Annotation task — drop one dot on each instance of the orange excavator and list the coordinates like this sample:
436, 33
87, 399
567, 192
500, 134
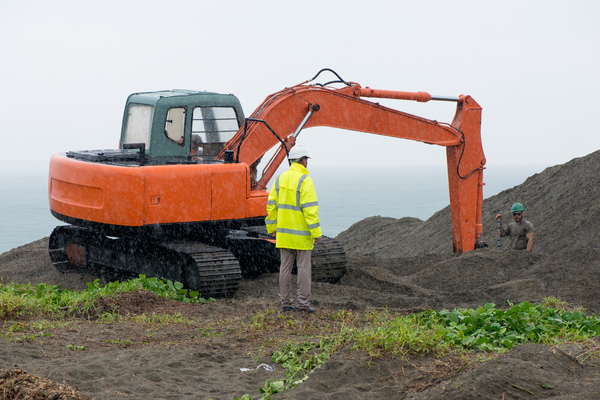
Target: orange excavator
182, 199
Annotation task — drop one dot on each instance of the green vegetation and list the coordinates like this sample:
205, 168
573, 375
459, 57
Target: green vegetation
400, 335
20, 303
75, 347
300, 344
491, 329
437, 333
42, 299
161, 287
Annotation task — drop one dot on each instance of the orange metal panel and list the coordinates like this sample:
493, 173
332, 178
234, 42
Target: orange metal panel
176, 193
229, 190
257, 203
153, 194
96, 192
76, 195
194, 192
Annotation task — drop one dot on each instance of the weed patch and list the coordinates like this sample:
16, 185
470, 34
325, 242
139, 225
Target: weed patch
490, 329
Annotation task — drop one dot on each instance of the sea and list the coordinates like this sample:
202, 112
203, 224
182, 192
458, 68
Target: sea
347, 194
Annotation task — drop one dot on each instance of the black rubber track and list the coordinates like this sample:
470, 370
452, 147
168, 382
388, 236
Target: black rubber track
210, 270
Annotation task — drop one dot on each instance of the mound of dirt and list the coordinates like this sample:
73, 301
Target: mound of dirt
407, 265
563, 204
31, 264
527, 371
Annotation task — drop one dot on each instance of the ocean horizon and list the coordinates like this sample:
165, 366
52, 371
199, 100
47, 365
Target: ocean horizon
347, 194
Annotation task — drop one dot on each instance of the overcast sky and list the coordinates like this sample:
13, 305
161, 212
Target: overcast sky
534, 66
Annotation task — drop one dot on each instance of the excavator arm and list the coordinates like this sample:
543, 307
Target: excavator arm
282, 115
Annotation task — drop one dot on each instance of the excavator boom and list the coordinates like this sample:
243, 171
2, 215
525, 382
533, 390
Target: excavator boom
281, 116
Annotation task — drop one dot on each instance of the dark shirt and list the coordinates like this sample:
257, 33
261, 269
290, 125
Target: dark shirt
518, 234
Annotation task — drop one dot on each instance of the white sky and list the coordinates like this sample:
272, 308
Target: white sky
534, 66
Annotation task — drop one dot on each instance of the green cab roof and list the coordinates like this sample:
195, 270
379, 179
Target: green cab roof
183, 97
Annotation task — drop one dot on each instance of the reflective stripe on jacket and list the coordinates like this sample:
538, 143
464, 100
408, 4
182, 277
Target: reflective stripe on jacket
293, 210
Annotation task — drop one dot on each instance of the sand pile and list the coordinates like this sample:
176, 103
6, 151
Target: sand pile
563, 204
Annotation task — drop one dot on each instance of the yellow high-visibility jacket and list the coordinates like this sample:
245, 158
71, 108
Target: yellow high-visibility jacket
293, 210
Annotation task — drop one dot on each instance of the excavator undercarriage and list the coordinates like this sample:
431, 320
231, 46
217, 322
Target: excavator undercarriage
213, 269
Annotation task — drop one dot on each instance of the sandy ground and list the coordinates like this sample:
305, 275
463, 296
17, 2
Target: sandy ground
402, 264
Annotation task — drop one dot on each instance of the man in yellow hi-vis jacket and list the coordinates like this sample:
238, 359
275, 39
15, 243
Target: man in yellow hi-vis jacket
293, 218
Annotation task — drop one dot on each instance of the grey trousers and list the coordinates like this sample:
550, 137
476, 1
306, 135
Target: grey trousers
302, 258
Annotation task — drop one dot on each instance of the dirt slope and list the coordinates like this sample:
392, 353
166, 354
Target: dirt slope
561, 202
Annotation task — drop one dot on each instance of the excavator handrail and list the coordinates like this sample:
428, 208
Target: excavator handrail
246, 129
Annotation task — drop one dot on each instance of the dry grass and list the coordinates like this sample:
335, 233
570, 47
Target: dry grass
20, 385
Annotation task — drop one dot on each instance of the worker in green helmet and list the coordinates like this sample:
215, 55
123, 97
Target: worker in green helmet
520, 231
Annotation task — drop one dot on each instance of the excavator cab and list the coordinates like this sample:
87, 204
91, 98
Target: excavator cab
170, 126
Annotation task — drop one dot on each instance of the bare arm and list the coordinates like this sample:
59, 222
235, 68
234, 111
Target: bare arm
529, 241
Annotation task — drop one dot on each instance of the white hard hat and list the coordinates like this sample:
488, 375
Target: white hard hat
297, 153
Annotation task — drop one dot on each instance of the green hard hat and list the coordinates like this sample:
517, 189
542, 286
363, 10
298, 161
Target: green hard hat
517, 207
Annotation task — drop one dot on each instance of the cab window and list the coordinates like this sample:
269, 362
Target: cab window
175, 125
139, 124
213, 126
